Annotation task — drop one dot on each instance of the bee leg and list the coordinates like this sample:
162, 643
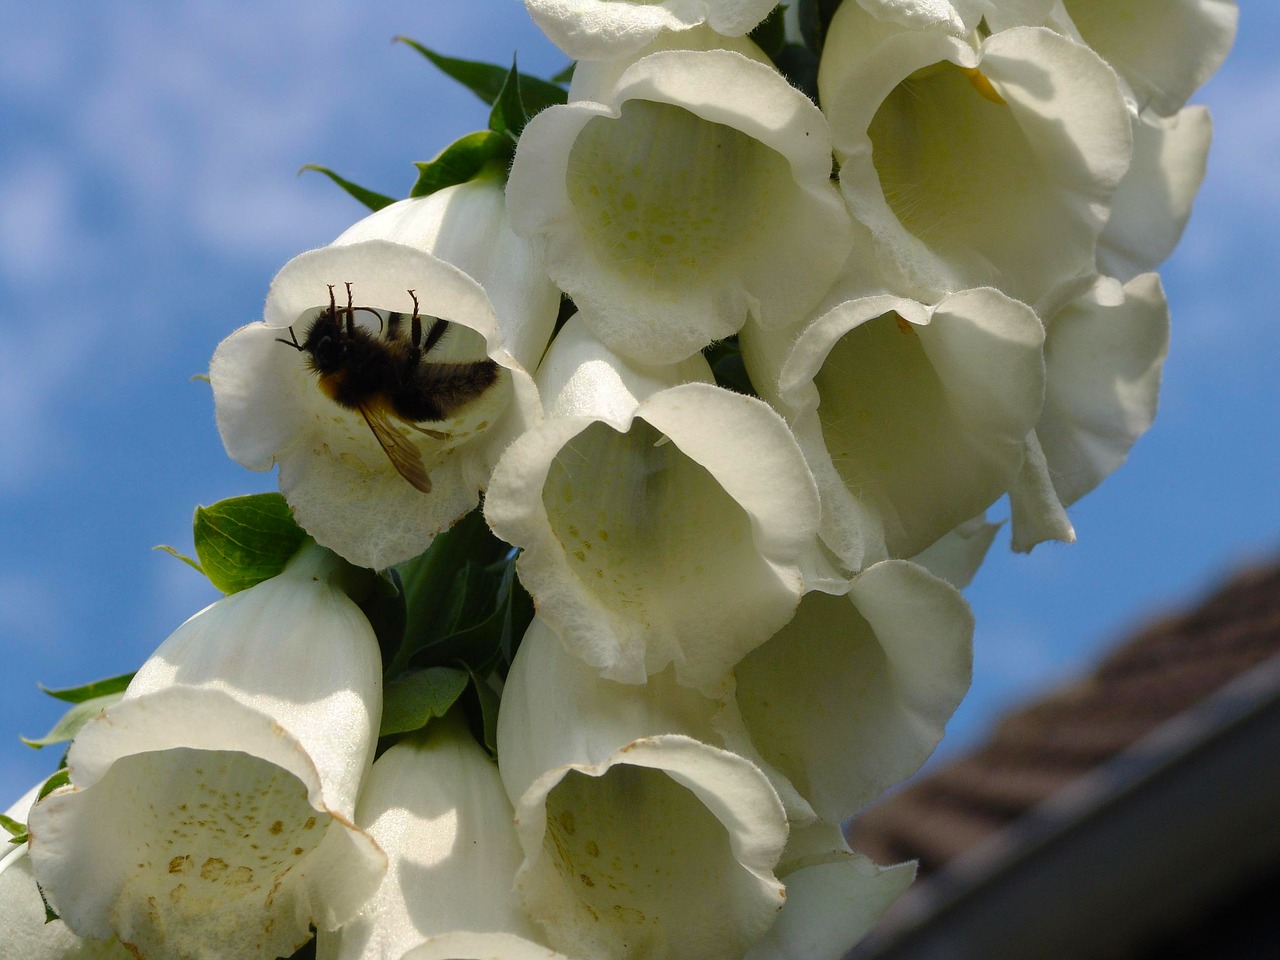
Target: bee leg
434, 333
292, 341
351, 314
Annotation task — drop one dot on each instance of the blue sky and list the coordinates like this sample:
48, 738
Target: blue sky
147, 196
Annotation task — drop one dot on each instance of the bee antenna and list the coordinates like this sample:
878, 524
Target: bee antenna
293, 339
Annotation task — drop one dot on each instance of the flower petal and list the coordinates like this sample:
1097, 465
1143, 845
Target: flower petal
971, 168
660, 846
853, 694
697, 192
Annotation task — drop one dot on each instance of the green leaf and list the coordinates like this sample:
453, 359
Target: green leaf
486, 80
165, 548
413, 700
245, 540
815, 17
17, 831
90, 691
430, 582
725, 359
489, 702
75, 718
509, 115
59, 779
462, 161
799, 65
771, 33
371, 199
565, 76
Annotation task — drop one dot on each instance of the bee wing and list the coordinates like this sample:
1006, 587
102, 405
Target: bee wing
402, 454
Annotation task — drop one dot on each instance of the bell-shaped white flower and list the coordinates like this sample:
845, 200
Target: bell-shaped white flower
659, 521
639, 839
1164, 51
24, 932
698, 192
853, 694
974, 167
210, 812
833, 897
958, 17
381, 444
912, 417
467, 225
1104, 351
1153, 202
436, 805
957, 556
606, 29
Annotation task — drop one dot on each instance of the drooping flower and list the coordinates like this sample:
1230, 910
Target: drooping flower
660, 521
1104, 352
210, 812
25, 932
604, 29
833, 897
992, 166
640, 840
381, 444
467, 226
1152, 204
958, 17
1164, 51
853, 694
699, 191
912, 417
436, 805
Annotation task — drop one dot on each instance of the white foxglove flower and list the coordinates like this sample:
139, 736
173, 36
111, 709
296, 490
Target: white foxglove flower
597, 79
640, 840
376, 455
24, 934
853, 694
1104, 352
436, 805
974, 167
958, 17
1153, 202
912, 417
467, 225
957, 556
659, 521
1164, 51
699, 191
605, 29
210, 812
833, 897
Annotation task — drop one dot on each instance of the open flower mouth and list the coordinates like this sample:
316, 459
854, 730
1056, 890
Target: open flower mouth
668, 217
645, 528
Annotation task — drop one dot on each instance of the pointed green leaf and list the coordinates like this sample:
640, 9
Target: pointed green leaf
486, 80
771, 33
88, 691
245, 540
59, 779
372, 200
489, 702
509, 115
75, 718
413, 700
165, 548
17, 831
463, 160
565, 76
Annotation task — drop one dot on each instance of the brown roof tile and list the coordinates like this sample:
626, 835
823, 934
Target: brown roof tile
1171, 664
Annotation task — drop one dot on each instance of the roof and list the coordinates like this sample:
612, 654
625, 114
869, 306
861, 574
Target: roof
1160, 732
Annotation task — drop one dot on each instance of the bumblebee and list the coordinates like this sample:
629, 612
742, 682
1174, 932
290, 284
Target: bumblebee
388, 376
